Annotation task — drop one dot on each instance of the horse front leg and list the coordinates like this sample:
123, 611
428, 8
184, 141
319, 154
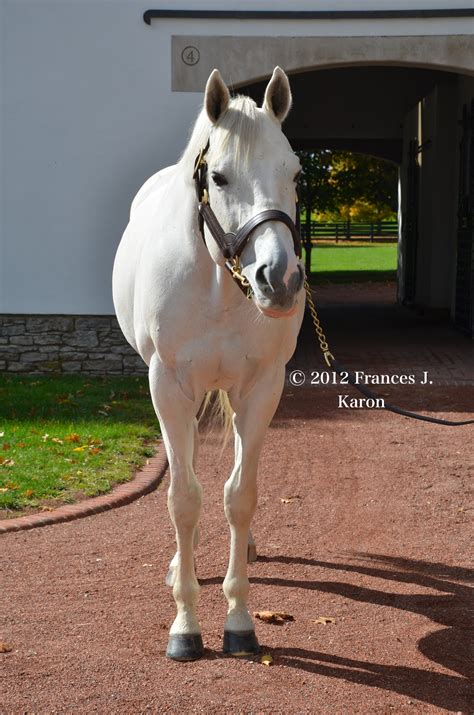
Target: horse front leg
171, 575
252, 417
177, 420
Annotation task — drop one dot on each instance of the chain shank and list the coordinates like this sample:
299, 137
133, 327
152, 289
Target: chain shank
323, 344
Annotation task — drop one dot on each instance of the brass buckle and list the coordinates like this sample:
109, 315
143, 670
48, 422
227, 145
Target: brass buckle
234, 267
199, 161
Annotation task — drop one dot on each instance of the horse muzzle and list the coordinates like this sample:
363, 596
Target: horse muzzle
274, 297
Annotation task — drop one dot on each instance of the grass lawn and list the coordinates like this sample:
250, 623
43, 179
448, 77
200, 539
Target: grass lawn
62, 438
345, 263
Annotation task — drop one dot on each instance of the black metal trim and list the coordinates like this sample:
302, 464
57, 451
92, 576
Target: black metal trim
150, 15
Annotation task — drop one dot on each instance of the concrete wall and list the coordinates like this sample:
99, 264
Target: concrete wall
87, 118
251, 58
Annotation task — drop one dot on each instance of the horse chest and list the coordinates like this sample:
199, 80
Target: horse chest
219, 356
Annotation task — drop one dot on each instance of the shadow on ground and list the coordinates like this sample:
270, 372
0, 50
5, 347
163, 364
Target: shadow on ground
449, 647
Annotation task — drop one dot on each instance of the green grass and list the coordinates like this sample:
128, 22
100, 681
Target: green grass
66, 437
346, 264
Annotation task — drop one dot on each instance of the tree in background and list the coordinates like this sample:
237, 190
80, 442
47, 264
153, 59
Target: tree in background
365, 188
315, 191
344, 186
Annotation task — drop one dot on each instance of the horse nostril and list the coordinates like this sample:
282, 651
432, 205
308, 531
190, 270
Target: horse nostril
261, 278
301, 277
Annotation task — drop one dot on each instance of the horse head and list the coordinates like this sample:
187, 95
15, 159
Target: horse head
251, 175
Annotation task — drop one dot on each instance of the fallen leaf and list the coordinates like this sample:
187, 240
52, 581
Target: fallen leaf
96, 442
2, 434
45, 437
324, 620
63, 401
28, 493
5, 647
80, 449
21, 444
101, 412
57, 440
6, 462
47, 508
6, 446
287, 500
273, 616
266, 659
3, 490
94, 450
73, 437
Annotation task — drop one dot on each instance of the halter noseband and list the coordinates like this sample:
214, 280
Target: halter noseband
232, 244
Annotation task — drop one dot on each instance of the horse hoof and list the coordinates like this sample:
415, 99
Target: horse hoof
241, 643
251, 553
185, 647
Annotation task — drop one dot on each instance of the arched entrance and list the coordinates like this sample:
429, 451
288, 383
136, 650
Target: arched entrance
403, 98
410, 115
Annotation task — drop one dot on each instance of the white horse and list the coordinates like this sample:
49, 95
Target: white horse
180, 308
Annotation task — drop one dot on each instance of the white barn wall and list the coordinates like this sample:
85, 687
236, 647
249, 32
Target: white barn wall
88, 115
87, 121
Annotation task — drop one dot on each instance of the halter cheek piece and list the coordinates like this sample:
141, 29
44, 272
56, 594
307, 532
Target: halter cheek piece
231, 244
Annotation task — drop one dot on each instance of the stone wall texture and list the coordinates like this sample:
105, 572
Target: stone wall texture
86, 344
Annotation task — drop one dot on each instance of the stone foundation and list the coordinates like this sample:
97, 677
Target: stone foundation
85, 344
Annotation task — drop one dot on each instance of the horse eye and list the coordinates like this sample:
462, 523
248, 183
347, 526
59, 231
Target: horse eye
218, 179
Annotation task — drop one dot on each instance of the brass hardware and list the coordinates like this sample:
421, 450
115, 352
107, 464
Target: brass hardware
328, 356
235, 268
200, 161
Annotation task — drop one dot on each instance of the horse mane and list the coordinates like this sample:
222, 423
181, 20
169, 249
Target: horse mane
239, 125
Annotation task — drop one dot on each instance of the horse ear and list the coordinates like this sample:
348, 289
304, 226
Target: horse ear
216, 96
277, 100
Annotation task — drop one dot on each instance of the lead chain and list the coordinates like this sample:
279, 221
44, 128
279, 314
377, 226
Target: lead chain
328, 356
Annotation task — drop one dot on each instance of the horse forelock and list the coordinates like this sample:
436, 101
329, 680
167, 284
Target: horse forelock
237, 130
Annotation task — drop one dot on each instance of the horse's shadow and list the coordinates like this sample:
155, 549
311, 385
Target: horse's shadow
451, 646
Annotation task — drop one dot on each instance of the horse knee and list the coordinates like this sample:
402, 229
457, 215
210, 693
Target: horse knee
184, 502
240, 502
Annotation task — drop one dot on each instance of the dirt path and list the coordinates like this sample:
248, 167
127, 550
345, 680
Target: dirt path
377, 539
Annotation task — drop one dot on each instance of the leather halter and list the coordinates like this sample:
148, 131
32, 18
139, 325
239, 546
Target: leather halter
232, 244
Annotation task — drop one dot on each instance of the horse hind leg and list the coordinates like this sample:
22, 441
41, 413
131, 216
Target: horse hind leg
252, 555
176, 414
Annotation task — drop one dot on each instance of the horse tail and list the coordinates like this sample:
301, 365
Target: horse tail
216, 405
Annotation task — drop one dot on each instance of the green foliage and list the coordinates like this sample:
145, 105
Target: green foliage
339, 185
66, 437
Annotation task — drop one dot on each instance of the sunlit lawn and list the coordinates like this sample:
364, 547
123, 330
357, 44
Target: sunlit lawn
346, 263
65, 437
